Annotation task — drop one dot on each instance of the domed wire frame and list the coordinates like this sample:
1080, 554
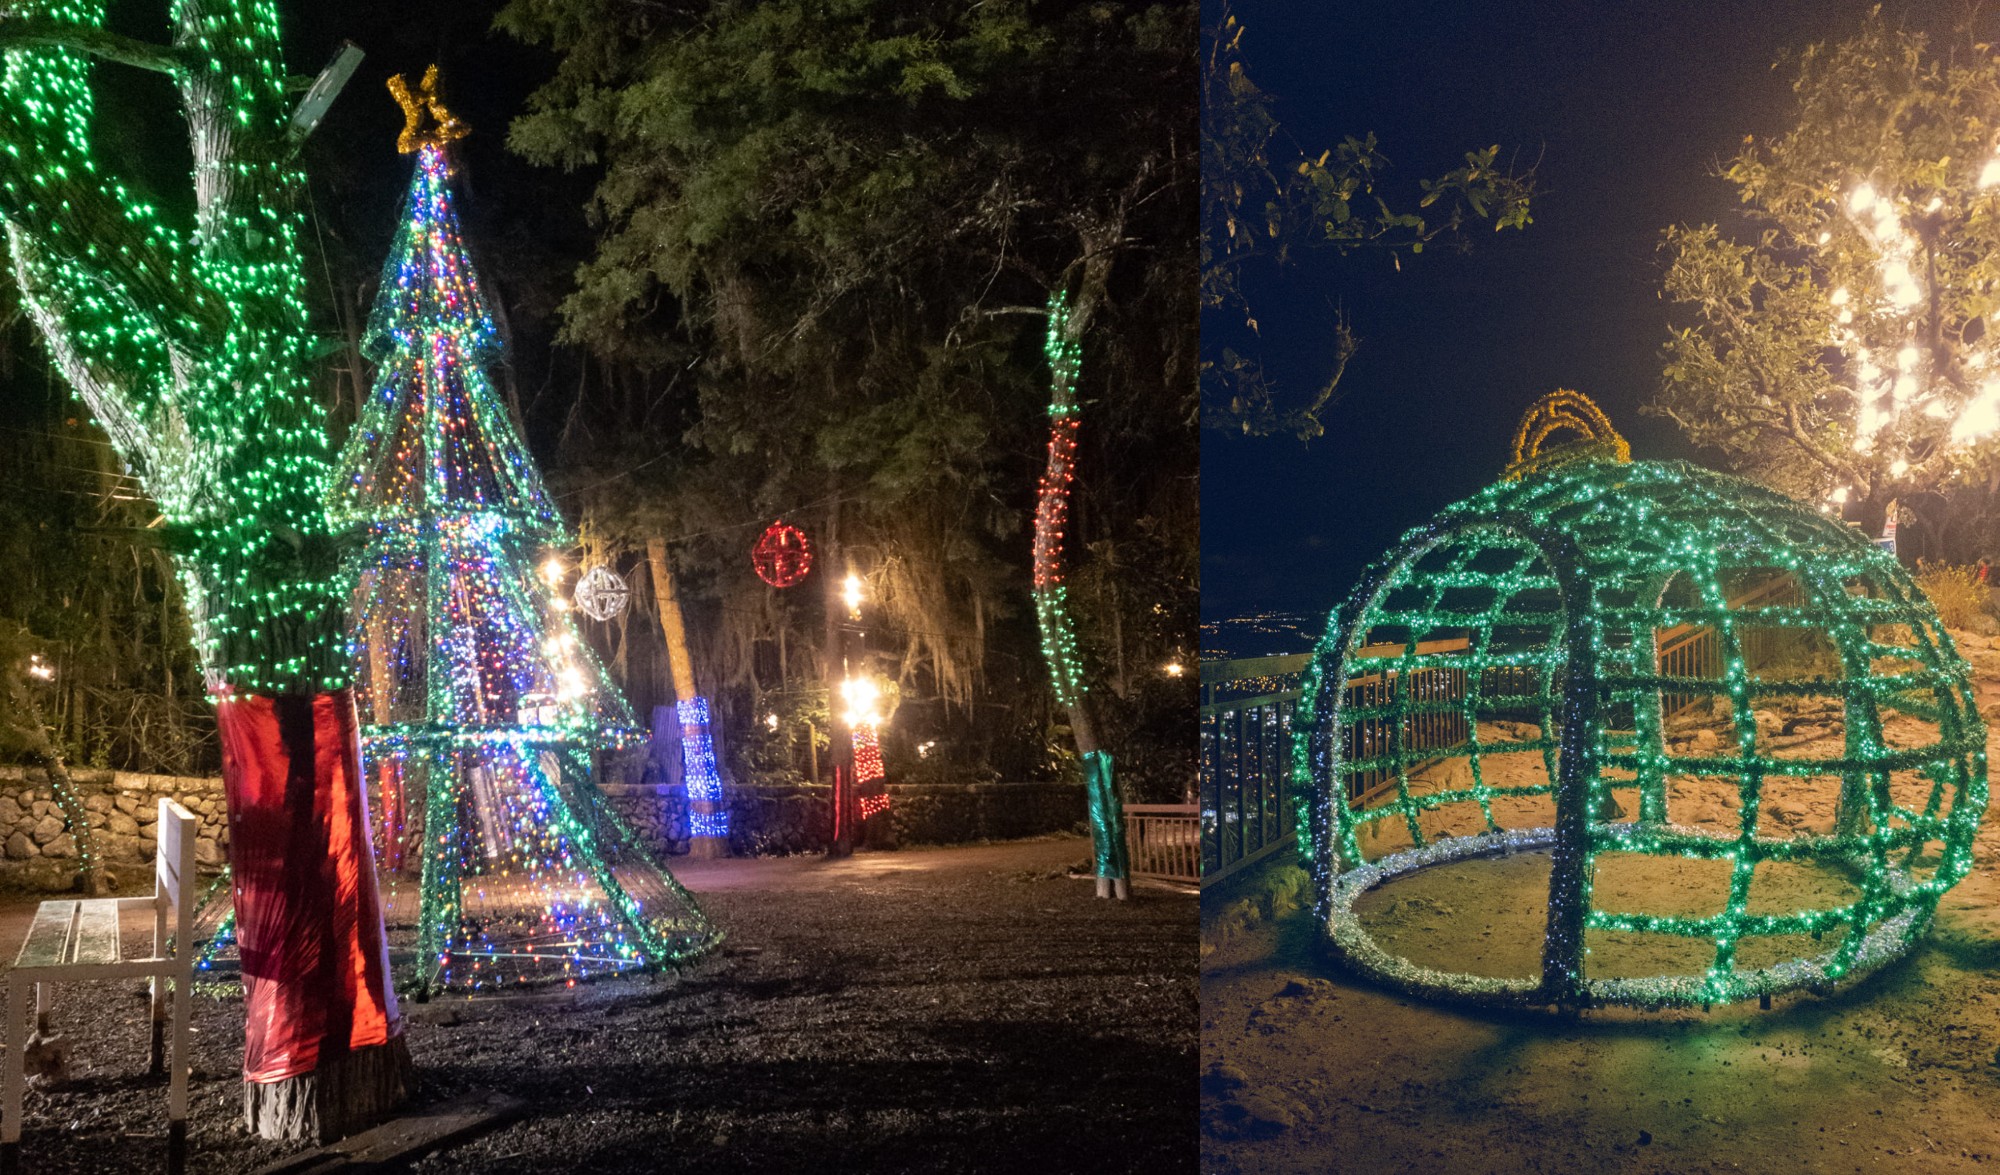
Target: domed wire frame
1550, 596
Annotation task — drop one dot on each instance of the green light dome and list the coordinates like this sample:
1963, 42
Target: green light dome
1621, 662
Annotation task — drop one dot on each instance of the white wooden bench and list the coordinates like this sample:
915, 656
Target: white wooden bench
79, 940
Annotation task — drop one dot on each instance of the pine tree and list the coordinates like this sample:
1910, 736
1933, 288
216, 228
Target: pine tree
482, 711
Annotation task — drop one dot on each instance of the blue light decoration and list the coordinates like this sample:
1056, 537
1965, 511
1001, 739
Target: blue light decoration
482, 710
704, 781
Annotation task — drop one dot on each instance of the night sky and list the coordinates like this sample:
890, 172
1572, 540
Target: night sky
1630, 107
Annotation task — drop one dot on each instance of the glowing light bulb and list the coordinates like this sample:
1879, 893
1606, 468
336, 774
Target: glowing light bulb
770, 721
850, 593
1990, 174
860, 694
1840, 296
1173, 669
553, 570
1862, 199
1898, 467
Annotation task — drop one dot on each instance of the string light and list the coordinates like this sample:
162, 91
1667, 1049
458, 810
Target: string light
782, 556
1051, 594
1559, 582
481, 707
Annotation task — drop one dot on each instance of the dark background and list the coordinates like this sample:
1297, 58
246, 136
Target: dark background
1629, 109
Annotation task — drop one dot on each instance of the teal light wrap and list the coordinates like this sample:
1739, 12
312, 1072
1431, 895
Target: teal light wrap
1547, 600
1107, 817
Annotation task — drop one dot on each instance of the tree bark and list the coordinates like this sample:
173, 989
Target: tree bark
686, 693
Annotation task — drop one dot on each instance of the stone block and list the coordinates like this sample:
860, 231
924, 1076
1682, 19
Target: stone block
60, 847
47, 829
122, 825
20, 848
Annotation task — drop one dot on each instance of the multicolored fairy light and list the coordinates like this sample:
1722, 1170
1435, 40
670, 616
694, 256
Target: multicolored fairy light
481, 705
1546, 595
1059, 646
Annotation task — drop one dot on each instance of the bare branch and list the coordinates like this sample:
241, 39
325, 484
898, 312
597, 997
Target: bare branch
32, 33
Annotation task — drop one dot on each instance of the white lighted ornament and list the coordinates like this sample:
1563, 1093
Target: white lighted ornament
601, 593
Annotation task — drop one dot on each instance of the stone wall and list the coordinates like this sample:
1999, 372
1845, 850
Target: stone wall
124, 806
778, 820
37, 853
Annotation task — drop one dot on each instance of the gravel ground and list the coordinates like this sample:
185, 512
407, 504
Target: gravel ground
954, 1009
1308, 1068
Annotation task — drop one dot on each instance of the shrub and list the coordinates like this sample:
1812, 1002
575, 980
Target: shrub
1955, 592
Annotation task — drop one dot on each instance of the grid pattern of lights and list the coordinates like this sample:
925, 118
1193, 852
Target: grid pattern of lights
1560, 579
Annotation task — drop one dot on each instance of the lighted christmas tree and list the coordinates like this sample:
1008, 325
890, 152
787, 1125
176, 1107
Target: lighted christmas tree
481, 710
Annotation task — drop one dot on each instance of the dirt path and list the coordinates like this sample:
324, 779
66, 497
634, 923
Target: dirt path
943, 1009
1307, 1069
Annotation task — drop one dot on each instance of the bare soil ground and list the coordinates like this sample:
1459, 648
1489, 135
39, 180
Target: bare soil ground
955, 1009
1308, 1068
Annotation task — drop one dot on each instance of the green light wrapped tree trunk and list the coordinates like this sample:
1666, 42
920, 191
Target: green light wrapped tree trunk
192, 350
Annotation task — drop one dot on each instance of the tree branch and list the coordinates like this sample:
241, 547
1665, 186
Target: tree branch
35, 33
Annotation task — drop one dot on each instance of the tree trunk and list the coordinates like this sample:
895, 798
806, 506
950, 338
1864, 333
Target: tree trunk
1059, 642
842, 806
324, 1054
706, 813
89, 872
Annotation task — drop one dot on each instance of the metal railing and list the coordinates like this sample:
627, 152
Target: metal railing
1246, 804
1245, 807
1164, 841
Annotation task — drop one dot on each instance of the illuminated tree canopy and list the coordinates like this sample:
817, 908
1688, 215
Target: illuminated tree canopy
1840, 348
190, 347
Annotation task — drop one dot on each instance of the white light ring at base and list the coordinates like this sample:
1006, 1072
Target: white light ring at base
1883, 943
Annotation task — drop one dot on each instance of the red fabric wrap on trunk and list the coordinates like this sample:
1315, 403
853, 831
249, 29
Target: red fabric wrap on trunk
308, 920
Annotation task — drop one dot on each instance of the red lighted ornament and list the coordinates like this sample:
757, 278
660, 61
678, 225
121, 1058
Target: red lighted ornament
782, 556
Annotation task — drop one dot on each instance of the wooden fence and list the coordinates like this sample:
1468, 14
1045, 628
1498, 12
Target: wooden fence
1695, 650
1164, 841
